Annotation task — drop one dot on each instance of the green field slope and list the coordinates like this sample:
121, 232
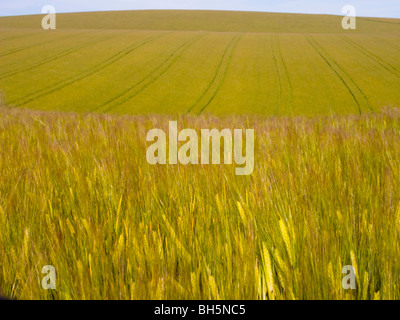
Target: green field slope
194, 62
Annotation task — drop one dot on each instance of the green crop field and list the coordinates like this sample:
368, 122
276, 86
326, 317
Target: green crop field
180, 62
77, 193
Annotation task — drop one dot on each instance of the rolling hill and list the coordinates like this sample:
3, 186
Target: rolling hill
193, 62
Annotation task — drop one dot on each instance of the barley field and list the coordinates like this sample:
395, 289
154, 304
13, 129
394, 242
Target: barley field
77, 193
188, 62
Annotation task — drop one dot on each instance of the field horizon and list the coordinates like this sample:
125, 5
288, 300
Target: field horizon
199, 20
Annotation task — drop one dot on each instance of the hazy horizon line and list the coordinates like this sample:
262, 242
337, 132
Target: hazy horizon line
218, 10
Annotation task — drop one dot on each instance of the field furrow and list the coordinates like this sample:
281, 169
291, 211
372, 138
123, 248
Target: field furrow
55, 57
221, 82
214, 86
149, 79
358, 96
285, 85
22, 48
279, 79
105, 64
25, 34
386, 65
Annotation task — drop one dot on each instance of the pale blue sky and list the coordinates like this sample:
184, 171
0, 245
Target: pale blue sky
370, 8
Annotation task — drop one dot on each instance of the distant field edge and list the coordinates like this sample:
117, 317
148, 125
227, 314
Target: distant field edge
205, 20
176, 116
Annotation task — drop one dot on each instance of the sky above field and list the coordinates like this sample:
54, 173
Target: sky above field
370, 8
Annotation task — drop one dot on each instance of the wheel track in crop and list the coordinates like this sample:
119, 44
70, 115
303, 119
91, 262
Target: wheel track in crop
378, 21
39, 44
222, 67
278, 76
224, 74
53, 58
20, 36
283, 76
386, 65
150, 78
97, 68
344, 77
